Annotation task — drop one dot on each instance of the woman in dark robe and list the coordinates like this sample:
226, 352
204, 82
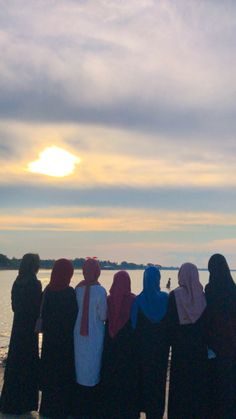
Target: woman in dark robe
118, 368
221, 310
151, 345
186, 319
57, 361
21, 382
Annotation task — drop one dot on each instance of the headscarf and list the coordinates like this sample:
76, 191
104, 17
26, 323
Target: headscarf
189, 296
152, 301
119, 302
28, 269
221, 289
61, 275
91, 272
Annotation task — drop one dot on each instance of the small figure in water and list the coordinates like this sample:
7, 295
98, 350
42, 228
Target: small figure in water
168, 285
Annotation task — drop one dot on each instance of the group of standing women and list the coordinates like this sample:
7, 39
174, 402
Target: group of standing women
107, 357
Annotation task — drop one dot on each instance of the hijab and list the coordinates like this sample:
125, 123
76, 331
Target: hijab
221, 289
61, 275
91, 272
189, 296
28, 269
151, 301
119, 302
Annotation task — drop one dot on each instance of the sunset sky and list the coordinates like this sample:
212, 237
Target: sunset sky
142, 93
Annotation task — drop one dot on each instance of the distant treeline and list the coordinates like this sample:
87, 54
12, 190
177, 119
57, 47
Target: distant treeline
14, 263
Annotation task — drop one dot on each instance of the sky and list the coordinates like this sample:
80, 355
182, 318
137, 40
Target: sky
142, 93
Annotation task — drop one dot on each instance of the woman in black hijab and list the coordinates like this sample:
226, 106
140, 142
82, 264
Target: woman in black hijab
20, 389
221, 313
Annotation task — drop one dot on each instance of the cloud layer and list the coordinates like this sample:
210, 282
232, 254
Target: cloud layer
143, 92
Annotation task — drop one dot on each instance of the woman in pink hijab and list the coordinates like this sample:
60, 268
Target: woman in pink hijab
88, 337
186, 319
118, 367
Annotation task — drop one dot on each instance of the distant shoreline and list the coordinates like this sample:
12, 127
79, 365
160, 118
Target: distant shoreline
14, 263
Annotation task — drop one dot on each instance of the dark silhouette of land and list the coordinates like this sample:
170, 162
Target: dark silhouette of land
14, 263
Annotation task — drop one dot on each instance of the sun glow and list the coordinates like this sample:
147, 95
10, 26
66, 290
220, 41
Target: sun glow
54, 161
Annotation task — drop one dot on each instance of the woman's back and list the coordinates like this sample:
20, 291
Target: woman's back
97, 310
189, 340
186, 322
57, 360
21, 380
221, 314
118, 367
151, 344
88, 349
59, 315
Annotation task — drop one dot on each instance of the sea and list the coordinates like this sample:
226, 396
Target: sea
7, 278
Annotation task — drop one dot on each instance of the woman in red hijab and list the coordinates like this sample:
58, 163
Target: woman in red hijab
88, 338
59, 313
118, 370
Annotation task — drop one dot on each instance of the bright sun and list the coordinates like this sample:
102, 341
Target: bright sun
54, 161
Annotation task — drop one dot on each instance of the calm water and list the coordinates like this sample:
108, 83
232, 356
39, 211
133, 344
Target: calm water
7, 278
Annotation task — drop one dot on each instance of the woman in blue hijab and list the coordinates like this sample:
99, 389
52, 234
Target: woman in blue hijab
151, 344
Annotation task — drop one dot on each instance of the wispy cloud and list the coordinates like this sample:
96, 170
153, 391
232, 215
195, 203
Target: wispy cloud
111, 219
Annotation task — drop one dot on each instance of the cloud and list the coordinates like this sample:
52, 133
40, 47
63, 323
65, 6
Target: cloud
116, 158
179, 199
108, 68
142, 92
111, 219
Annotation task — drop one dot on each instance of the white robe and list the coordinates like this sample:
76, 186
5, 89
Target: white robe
88, 349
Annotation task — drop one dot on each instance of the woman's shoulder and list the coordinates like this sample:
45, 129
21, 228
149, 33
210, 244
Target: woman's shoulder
99, 290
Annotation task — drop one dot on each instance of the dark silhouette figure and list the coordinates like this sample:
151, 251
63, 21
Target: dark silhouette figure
186, 319
168, 284
118, 366
21, 380
57, 362
221, 310
151, 345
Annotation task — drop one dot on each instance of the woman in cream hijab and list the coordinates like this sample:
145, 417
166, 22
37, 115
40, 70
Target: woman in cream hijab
186, 321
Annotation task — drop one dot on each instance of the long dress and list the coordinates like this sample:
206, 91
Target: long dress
21, 381
221, 314
151, 357
57, 361
222, 367
88, 349
119, 375
188, 371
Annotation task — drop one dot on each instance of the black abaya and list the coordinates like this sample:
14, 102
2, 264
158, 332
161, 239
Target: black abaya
21, 381
188, 371
118, 375
57, 361
222, 369
151, 357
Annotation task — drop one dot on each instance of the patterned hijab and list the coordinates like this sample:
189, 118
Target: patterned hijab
91, 272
